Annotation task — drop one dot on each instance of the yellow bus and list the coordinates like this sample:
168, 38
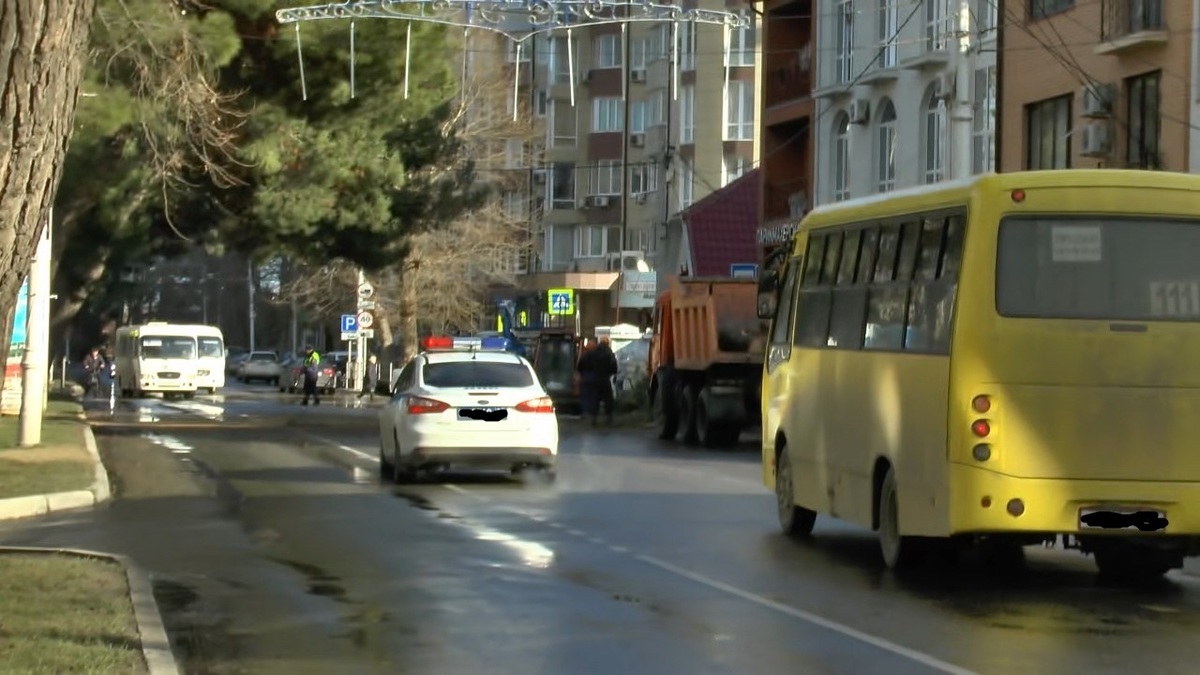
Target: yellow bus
1011, 358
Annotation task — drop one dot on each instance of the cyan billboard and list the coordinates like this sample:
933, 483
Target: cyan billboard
20, 317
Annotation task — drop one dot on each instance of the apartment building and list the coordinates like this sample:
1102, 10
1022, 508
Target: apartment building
1115, 85
885, 80
635, 129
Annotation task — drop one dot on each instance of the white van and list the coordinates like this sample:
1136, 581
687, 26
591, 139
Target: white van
159, 357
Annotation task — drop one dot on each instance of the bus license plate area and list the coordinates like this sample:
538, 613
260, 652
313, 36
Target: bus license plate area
1143, 519
483, 414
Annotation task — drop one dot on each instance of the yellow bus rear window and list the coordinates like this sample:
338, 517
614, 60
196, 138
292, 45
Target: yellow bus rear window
1101, 268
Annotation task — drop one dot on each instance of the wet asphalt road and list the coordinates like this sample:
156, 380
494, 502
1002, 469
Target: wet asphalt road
276, 549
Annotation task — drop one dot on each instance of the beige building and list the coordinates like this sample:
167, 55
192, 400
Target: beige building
632, 132
1099, 83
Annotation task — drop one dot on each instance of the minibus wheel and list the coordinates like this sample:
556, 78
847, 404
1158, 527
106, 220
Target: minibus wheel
796, 521
1131, 564
898, 552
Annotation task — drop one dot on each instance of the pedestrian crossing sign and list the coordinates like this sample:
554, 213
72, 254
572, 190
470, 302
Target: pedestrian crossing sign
561, 301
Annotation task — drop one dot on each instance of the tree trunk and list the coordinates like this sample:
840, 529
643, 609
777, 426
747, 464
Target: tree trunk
42, 49
408, 317
385, 330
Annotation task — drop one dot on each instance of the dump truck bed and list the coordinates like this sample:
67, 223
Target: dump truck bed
714, 321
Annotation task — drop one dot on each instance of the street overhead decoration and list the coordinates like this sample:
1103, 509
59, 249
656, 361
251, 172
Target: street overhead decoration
519, 20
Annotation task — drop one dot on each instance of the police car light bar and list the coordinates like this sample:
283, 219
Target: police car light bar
449, 343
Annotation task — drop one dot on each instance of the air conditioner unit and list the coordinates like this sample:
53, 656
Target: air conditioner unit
596, 201
637, 140
859, 111
1097, 100
637, 75
539, 176
630, 260
1095, 140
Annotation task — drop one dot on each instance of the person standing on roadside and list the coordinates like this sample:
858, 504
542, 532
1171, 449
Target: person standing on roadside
312, 365
370, 378
596, 369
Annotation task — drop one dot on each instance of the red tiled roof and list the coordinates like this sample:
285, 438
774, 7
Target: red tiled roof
721, 227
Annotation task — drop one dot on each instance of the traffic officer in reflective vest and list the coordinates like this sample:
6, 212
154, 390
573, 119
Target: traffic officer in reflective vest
312, 365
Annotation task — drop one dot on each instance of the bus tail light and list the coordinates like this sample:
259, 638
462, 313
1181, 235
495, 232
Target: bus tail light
981, 428
981, 404
1018, 195
982, 452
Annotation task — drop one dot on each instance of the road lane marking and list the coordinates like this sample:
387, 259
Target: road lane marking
343, 447
886, 645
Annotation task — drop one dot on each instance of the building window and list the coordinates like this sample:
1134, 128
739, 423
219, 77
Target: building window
514, 153
518, 50
739, 111
1145, 120
606, 51
844, 41
742, 41
935, 134
987, 18
841, 157
687, 115
606, 114
983, 156
541, 102
637, 117
564, 121
1043, 8
643, 178
640, 239
686, 175
656, 104
561, 185
687, 45
561, 63
1047, 125
596, 241
606, 177
516, 205
938, 23
640, 53
886, 150
887, 33
733, 168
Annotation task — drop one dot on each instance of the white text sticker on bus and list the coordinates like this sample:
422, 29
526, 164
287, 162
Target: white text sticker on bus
151, 343
1075, 243
1175, 299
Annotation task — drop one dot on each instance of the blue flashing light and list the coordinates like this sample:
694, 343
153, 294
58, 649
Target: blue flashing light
497, 343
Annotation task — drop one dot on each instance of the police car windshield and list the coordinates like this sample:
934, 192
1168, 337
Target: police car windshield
477, 375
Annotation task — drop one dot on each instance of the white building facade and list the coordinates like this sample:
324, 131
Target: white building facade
885, 73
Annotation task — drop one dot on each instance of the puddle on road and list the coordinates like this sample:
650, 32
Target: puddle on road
320, 583
199, 635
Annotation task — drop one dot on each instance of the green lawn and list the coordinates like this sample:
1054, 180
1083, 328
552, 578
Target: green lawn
64, 614
60, 463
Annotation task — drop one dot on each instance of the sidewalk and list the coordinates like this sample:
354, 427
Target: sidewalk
70, 610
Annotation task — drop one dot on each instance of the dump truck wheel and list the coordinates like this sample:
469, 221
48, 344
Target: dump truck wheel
714, 432
668, 408
689, 400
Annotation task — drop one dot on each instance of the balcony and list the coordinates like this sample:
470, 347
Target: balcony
1128, 24
788, 77
783, 207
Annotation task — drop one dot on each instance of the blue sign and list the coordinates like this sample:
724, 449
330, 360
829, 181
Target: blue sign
20, 316
349, 323
743, 271
561, 301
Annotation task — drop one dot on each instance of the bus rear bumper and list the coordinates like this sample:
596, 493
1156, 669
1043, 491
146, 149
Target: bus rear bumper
985, 502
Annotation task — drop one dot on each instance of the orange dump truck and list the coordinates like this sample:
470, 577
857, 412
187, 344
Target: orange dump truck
706, 359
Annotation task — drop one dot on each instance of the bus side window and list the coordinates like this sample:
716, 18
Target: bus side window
850, 255
833, 255
780, 331
931, 302
889, 245
816, 255
866, 259
910, 244
932, 234
952, 252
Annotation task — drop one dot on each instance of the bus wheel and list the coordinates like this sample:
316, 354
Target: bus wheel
1129, 564
898, 552
796, 521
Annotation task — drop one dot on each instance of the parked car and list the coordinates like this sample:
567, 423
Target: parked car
262, 366
328, 373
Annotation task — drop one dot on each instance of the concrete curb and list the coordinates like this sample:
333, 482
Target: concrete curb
100, 491
156, 644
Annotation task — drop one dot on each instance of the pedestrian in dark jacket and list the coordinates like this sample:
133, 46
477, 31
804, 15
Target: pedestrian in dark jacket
596, 368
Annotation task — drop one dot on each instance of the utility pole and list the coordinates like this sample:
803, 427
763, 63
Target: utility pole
626, 67
35, 363
250, 298
360, 363
959, 105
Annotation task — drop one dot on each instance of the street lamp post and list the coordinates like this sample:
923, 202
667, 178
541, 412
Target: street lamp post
35, 363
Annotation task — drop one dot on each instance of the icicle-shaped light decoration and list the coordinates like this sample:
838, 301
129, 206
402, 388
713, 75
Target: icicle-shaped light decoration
351, 59
674, 56
728, 34
407, 56
571, 66
517, 80
300, 58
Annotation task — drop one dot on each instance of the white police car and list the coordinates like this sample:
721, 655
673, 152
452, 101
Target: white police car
467, 403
